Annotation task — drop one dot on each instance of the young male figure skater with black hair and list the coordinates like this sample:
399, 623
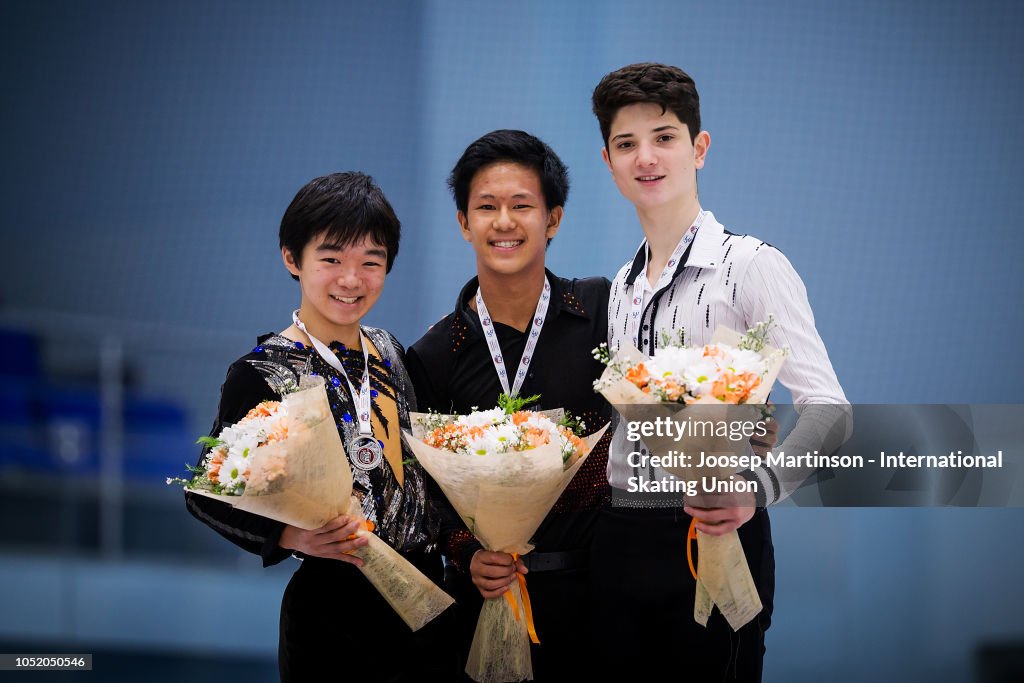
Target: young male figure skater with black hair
690, 275
339, 238
510, 189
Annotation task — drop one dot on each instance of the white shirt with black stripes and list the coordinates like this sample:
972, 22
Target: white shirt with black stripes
735, 281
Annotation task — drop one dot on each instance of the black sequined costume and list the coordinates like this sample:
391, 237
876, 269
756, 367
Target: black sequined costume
329, 603
452, 371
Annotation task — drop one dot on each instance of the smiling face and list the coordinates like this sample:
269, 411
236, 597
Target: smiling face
652, 159
339, 285
507, 221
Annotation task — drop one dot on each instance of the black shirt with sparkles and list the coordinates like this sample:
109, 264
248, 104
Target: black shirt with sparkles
452, 372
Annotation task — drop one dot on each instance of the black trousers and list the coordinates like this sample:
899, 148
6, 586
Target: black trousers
336, 626
643, 602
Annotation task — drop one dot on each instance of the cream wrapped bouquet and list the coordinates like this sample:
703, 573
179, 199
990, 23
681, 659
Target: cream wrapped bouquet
285, 461
727, 381
502, 470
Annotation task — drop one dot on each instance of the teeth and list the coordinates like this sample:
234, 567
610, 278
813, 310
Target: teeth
649, 177
345, 299
508, 243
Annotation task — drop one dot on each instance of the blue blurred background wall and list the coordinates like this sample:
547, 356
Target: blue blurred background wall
151, 148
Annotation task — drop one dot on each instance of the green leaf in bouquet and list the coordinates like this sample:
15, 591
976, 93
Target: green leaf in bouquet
209, 441
513, 404
573, 424
200, 480
676, 339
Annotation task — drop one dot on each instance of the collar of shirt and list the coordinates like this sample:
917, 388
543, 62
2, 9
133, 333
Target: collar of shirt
559, 303
703, 251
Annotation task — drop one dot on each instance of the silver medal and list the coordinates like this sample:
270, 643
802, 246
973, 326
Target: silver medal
366, 453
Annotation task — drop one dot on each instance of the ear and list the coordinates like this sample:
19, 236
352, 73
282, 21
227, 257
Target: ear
464, 224
604, 156
289, 261
700, 148
554, 221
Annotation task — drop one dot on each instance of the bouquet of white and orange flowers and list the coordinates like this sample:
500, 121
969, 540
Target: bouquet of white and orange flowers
284, 460
227, 468
502, 469
717, 387
498, 431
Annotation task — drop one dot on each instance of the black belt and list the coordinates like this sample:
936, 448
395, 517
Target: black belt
550, 562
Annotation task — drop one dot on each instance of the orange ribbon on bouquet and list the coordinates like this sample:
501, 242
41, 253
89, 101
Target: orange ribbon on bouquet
526, 604
691, 537
364, 525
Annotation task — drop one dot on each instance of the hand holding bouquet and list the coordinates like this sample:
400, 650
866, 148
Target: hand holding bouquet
502, 469
285, 461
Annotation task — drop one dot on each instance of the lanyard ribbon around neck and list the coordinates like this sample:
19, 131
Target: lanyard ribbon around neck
491, 336
361, 398
636, 309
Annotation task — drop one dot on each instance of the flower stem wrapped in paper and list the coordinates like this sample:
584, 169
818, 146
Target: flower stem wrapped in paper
695, 409
284, 460
502, 470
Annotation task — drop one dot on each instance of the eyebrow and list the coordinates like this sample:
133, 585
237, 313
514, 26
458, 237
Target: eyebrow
655, 130
517, 195
372, 251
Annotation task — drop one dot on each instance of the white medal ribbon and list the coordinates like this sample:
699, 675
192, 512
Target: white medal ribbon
636, 310
531, 341
360, 398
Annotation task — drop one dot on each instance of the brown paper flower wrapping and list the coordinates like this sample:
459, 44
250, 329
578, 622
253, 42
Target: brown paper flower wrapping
315, 487
724, 578
502, 498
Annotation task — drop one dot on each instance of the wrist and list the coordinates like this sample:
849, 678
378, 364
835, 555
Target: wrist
467, 553
760, 495
286, 540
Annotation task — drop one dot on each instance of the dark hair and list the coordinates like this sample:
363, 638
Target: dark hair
668, 86
345, 208
516, 147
